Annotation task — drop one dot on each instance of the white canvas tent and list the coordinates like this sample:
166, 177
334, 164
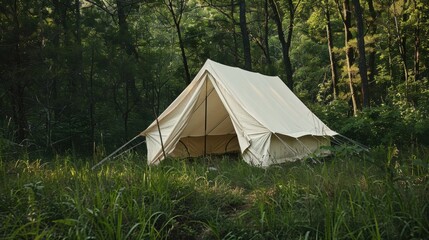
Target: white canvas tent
227, 109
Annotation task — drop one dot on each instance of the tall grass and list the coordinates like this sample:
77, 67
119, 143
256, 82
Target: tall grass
383, 195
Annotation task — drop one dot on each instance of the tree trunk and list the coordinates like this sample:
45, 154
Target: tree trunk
402, 43
288, 64
56, 43
77, 71
127, 74
17, 93
126, 113
332, 59
266, 33
245, 36
127, 45
362, 58
92, 102
124, 33
417, 44
17, 89
346, 18
177, 17
390, 44
372, 68
234, 34
285, 42
184, 58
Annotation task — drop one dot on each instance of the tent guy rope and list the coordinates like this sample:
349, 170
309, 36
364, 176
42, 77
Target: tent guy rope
116, 151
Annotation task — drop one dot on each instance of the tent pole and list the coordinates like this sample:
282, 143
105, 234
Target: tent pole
205, 124
159, 131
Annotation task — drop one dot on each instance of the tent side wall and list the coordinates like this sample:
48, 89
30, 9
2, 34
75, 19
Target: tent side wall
288, 149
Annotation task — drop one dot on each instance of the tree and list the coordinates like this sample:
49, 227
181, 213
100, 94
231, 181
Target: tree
332, 58
15, 62
372, 30
245, 36
400, 15
176, 11
266, 33
345, 14
362, 58
285, 42
126, 40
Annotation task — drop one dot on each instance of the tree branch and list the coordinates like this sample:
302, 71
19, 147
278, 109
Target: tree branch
103, 7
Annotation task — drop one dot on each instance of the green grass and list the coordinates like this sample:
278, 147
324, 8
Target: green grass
381, 195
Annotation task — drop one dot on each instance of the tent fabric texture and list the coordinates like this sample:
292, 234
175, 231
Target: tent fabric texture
227, 109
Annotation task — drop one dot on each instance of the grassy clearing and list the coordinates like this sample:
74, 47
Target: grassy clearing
381, 195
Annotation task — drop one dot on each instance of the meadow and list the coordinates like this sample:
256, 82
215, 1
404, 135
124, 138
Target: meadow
383, 194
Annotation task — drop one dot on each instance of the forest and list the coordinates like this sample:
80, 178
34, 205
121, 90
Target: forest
78, 78
80, 75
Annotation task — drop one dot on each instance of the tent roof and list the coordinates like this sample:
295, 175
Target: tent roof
265, 98
270, 102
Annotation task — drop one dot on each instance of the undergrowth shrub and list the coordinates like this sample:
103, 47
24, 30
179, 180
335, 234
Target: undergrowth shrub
401, 123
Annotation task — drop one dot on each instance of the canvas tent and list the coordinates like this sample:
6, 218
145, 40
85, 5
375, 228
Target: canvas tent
227, 109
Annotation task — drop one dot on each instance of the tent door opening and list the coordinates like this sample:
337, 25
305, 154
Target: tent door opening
209, 130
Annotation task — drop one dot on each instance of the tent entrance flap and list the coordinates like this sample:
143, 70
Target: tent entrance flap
210, 129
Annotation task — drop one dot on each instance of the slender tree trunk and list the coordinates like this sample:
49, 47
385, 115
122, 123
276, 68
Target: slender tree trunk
184, 58
417, 54
266, 34
177, 19
234, 34
288, 64
417, 44
402, 42
128, 46
332, 58
124, 33
245, 36
17, 90
346, 18
78, 68
92, 102
56, 43
64, 7
390, 43
362, 58
127, 74
372, 68
78, 20
285, 43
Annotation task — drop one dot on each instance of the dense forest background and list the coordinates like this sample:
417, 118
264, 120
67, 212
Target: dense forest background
83, 76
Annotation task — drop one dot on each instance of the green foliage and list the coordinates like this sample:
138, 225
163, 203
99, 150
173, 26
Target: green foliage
74, 73
307, 54
346, 197
401, 124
